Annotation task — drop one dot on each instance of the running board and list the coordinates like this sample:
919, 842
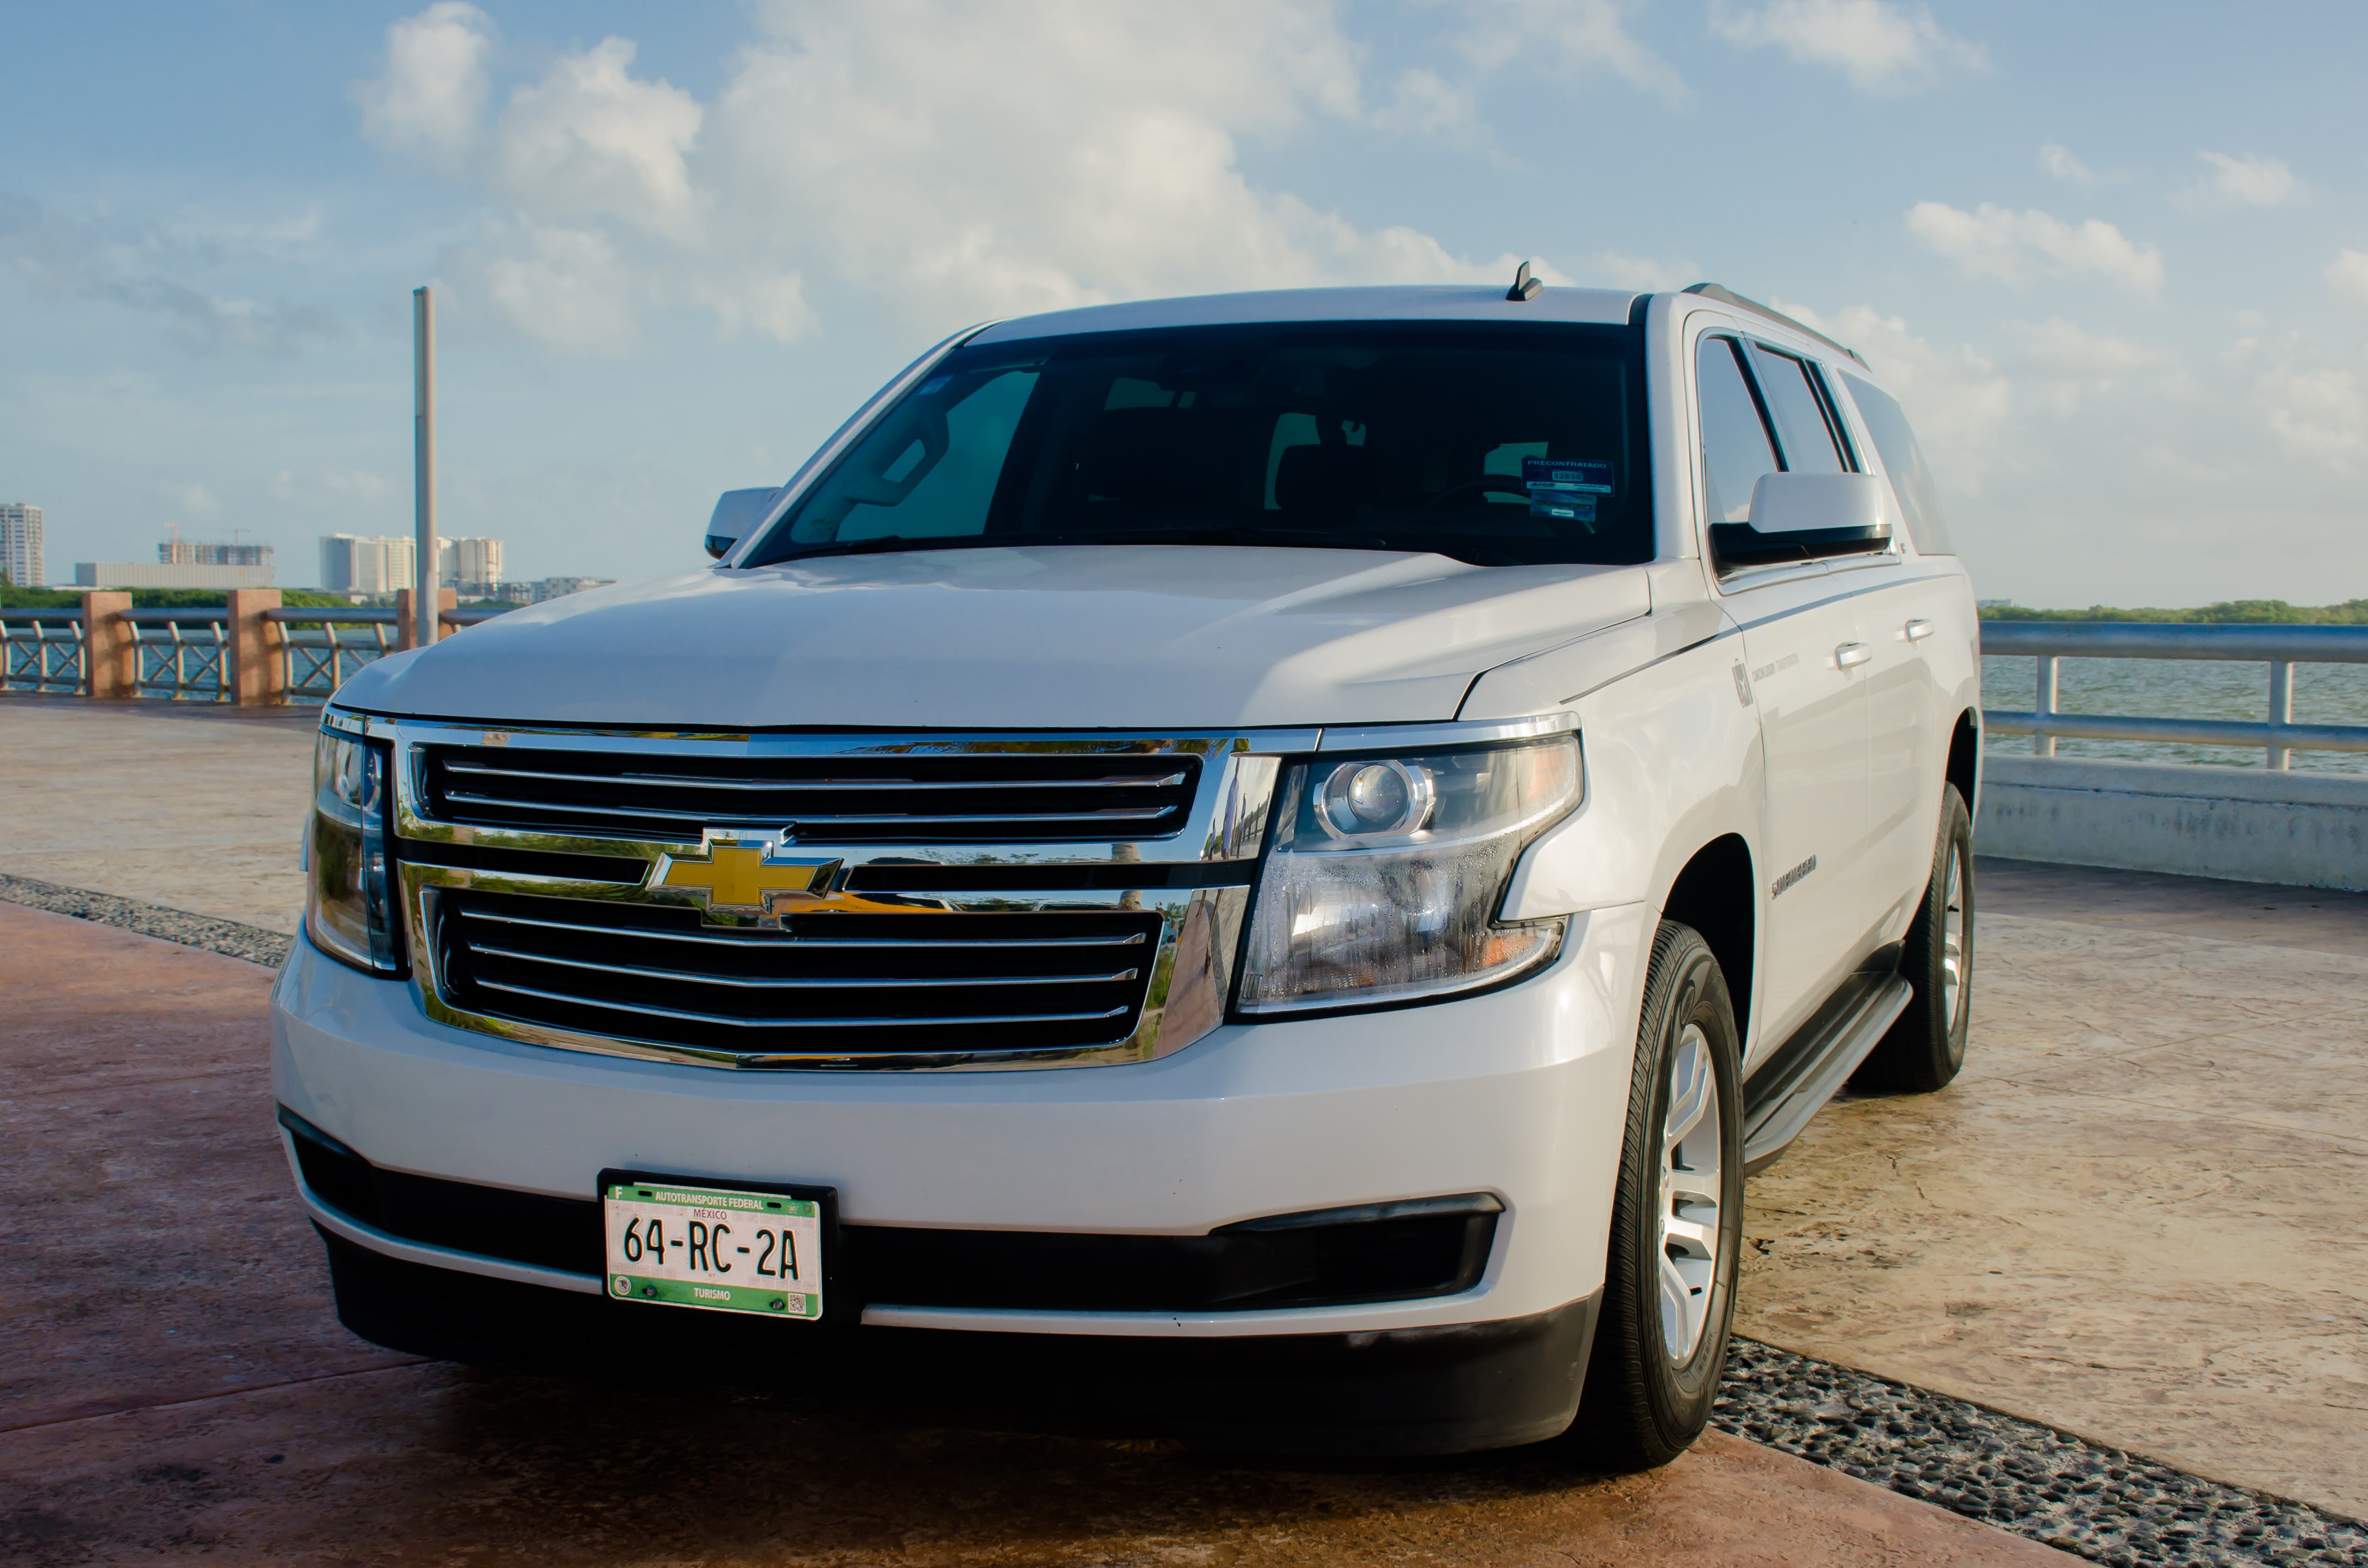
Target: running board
1795, 1084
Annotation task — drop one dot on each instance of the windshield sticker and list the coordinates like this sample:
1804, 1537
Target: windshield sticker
935, 383
1565, 487
1572, 474
1561, 504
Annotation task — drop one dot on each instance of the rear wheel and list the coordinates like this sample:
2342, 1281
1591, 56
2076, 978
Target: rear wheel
1926, 1046
1677, 1222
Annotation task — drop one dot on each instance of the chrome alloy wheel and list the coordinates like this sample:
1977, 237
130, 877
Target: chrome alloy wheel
1952, 940
1690, 1189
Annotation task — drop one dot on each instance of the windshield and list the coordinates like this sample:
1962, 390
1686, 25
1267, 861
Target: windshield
1492, 444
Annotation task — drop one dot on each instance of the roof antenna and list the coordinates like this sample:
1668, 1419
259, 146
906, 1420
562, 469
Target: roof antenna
1525, 287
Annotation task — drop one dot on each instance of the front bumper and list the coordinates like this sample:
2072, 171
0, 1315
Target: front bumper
1450, 1389
1521, 1092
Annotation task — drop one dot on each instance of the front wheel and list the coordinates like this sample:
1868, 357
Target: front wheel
1677, 1218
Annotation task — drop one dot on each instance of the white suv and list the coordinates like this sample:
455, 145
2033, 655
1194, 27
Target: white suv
1259, 868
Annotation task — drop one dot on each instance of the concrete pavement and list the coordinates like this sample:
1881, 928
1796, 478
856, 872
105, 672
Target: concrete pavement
173, 1384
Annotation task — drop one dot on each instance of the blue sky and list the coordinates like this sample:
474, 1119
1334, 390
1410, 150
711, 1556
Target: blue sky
2114, 260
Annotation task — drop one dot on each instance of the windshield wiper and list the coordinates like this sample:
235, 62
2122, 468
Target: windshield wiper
1322, 539
882, 544
1464, 550
1318, 538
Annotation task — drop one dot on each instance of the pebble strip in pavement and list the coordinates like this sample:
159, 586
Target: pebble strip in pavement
2096, 1503
234, 938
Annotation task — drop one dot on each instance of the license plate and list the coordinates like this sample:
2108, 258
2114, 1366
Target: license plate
724, 1249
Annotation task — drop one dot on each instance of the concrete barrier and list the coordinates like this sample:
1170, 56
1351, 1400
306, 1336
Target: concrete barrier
2245, 823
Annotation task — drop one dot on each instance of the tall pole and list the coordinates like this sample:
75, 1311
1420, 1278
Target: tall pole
424, 595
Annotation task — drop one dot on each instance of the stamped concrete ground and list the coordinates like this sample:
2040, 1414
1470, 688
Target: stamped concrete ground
189, 805
2137, 1215
174, 1386
2135, 1218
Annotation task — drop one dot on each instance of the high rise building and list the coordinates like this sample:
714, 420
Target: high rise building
469, 564
353, 564
20, 545
171, 575
179, 552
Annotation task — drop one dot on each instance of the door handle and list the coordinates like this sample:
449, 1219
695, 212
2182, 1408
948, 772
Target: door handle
1851, 654
1919, 630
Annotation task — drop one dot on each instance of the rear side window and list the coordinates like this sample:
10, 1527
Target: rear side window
1903, 460
1793, 400
1736, 449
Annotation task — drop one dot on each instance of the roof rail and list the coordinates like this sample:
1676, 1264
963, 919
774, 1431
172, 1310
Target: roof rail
1729, 297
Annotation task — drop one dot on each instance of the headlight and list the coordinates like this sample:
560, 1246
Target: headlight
1385, 875
347, 908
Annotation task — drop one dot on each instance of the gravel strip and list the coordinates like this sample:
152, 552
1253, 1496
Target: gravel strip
2096, 1503
251, 943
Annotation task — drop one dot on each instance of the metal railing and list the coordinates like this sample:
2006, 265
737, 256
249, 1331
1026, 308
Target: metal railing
181, 655
40, 650
321, 660
185, 655
2280, 647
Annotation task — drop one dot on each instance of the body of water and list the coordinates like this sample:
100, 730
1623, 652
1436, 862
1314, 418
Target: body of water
2181, 688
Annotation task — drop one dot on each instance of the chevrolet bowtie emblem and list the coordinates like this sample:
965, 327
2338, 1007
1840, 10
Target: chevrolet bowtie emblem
741, 875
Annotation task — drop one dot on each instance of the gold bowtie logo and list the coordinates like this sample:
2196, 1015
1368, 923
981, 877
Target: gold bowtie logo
741, 875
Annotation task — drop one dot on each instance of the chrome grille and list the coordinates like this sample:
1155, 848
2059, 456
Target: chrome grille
899, 796
927, 982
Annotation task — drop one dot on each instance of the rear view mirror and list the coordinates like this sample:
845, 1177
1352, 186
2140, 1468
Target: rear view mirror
737, 511
1806, 516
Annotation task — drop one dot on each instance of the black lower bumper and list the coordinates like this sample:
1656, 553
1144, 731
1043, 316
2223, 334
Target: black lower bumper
1418, 1390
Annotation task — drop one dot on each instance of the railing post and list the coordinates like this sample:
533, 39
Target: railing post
2281, 709
258, 676
406, 624
2044, 705
110, 655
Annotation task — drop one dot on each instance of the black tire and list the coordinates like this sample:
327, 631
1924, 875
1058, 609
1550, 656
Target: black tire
1642, 1406
1926, 1046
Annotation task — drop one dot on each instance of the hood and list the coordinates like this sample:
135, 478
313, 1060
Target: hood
1073, 637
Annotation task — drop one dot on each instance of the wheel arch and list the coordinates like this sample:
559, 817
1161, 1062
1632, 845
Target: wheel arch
1964, 768
1715, 892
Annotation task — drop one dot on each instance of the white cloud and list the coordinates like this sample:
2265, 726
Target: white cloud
153, 270
193, 498
2015, 247
2243, 182
2057, 350
591, 137
2316, 412
332, 486
1569, 37
2348, 276
1882, 47
948, 160
1617, 269
432, 94
563, 286
2059, 160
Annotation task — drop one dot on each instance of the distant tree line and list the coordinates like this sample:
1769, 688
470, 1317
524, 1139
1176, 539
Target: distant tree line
15, 597
2272, 612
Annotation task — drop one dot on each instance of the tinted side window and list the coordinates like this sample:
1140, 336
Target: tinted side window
1903, 460
1735, 448
1799, 411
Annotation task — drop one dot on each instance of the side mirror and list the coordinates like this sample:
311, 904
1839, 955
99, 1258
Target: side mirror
737, 511
1807, 516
